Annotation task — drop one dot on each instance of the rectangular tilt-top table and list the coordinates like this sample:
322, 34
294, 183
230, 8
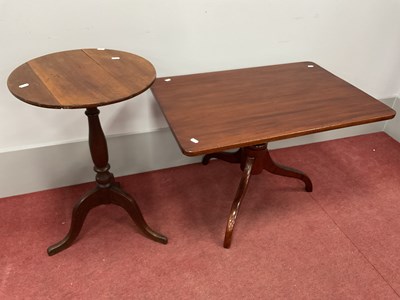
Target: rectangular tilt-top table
247, 108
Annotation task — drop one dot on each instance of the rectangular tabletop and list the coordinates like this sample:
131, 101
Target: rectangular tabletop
215, 111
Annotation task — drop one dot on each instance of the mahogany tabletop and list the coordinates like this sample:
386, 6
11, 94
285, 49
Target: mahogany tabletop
215, 111
81, 78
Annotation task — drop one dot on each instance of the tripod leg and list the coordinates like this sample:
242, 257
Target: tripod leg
275, 168
79, 213
127, 202
225, 156
241, 191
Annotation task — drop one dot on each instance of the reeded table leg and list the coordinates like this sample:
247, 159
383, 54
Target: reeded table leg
253, 160
241, 191
107, 191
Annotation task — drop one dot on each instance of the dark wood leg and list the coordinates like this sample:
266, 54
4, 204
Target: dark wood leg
281, 170
253, 160
241, 191
225, 156
81, 209
107, 190
122, 199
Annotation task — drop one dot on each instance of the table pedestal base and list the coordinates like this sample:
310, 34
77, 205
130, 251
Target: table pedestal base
107, 191
253, 160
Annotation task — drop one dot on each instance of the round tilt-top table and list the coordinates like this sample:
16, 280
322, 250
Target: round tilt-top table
88, 78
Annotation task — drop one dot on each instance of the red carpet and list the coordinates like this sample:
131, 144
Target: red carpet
341, 241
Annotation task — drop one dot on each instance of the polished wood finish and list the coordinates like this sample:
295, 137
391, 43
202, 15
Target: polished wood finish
247, 108
241, 191
238, 108
106, 192
81, 78
88, 78
253, 160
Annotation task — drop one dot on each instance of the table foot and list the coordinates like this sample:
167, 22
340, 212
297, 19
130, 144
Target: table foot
225, 156
281, 170
126, 201
99, 196
241, 191
79, 213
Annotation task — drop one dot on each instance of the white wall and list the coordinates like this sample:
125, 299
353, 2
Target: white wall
358, 40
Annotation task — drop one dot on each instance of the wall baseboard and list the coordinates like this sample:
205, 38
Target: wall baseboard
42, 168
36, 169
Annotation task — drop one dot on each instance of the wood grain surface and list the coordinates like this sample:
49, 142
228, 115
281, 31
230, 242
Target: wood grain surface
81, 78
210, 112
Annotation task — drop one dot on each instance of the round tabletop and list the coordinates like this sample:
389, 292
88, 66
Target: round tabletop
82, 78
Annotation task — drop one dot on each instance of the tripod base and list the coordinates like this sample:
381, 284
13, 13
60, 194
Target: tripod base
253, 160
98, 196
